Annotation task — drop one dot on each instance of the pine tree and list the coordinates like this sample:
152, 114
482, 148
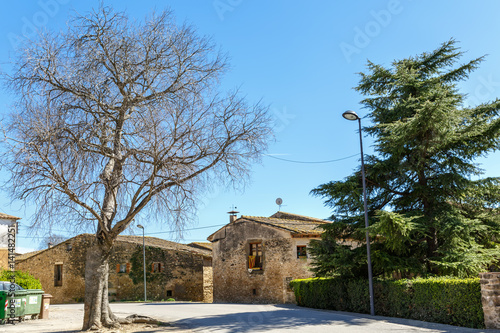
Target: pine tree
430, 212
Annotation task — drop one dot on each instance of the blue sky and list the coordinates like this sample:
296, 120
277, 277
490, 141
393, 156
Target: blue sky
302, 58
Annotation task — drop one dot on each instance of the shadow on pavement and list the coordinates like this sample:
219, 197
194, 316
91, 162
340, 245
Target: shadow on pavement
282, 317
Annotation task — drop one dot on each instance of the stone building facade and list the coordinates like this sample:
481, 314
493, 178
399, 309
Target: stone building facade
173, 270
255, 258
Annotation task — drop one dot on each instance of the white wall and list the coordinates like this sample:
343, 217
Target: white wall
4, 225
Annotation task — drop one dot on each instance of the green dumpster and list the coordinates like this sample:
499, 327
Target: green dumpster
7, 312
33, 302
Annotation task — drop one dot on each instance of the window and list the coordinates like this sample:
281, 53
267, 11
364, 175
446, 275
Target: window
157, 267
301, 252
123, 268
255, 258
58, 275
169, 293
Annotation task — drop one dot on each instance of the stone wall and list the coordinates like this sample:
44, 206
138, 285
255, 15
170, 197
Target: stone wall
72, 258
490, 297
234, 282
180, 275
208, 286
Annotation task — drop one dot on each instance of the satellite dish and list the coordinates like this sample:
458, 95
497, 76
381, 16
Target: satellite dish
279, 201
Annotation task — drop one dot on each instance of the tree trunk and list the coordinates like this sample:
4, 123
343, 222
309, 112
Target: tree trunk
97, 312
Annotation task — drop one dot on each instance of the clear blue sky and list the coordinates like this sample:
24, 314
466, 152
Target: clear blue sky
302, 59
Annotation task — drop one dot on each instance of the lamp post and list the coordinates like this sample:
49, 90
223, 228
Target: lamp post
351, 115
144, 260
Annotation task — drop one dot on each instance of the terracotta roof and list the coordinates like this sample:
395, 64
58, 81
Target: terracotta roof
8, 217
297, 225
27, 255
290, 216
201, 245
165, 244
148, 241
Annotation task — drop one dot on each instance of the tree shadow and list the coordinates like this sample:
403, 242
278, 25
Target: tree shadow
282, 317
275, 319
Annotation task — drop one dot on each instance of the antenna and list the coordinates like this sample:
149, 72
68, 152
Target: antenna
232, 214
279, 201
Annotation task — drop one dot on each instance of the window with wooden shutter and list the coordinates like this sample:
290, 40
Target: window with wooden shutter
156, 267
255, 258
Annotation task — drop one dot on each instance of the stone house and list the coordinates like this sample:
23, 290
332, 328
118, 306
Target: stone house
5, 222
173, 270
255, 258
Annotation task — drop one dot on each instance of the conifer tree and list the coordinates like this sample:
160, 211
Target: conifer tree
430, 211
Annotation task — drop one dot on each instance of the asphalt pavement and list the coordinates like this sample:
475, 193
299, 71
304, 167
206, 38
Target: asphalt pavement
237, 318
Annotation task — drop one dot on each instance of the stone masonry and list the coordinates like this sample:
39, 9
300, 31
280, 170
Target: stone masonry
281, 238
173, 270
490, 297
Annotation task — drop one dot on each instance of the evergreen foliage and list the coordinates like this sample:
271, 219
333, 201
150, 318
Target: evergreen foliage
444, 300
430, 211
23, 279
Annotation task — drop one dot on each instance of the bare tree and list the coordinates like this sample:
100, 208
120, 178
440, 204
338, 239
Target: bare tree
52, 239
114, 117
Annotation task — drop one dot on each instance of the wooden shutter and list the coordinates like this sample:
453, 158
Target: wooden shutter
128, 267
118, 268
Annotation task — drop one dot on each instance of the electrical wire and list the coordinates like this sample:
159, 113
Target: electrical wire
310, 162
174, 231
149, 233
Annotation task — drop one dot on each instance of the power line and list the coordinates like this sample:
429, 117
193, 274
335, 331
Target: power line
174, 231
310, 162
149, 233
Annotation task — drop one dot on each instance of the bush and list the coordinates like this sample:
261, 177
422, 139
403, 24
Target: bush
24, 279
442, 300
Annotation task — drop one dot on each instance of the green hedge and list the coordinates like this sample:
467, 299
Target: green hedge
442, 300
23, 279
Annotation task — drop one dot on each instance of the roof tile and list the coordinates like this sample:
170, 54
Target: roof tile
8, 217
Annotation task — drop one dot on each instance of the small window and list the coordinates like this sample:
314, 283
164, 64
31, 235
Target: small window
302, 252
169, 293
255, 259
58, 275
123, 268
157, 267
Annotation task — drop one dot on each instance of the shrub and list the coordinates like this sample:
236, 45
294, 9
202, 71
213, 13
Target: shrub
24, 279
443, 300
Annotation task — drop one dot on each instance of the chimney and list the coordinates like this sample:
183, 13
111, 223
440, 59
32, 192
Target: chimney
49, 245
232, 215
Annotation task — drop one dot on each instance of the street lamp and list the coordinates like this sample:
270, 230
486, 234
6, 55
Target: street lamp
144, 260
351, 115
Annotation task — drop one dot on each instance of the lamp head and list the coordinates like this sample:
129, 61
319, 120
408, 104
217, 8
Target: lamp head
350, 115
140, 226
